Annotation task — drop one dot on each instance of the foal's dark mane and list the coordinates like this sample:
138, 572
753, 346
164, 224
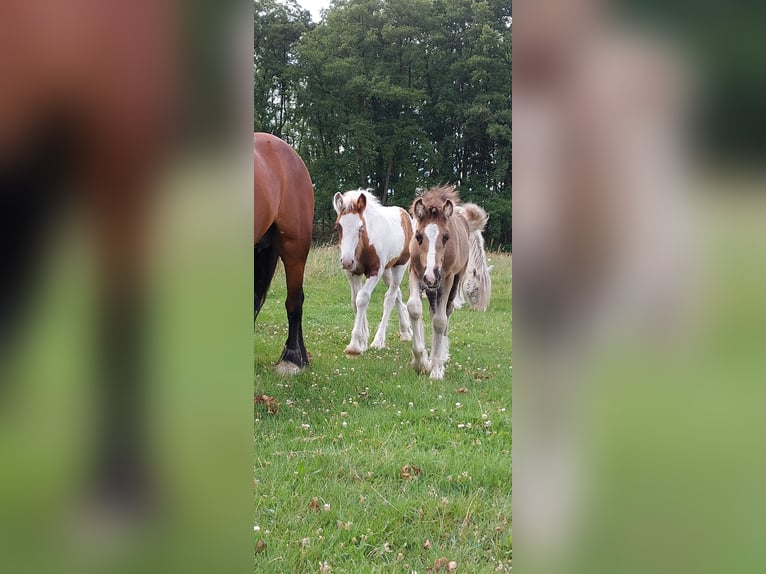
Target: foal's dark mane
435, 198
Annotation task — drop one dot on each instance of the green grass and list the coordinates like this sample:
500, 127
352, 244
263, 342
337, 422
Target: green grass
346, 426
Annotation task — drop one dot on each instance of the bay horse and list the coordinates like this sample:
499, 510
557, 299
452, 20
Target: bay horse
439, 253
283, 224
87, 113
374, 242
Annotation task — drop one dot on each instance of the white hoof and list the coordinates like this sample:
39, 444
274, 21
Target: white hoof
421, 366
287, 369
406, 336
354, 350
378, 343
437, 373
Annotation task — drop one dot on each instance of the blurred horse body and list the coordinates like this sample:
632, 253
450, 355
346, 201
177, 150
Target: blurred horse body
87, 108
283, 225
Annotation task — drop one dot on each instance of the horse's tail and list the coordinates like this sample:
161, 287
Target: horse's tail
474, 215
265, 258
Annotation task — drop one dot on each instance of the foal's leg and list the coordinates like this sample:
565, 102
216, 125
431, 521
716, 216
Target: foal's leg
457, 288
440, 341
355, 282
420, 360
361, 332
393, 278
405, 329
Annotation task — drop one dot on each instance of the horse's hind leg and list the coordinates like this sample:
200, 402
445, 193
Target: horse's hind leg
294, 356
393, 279
379, 342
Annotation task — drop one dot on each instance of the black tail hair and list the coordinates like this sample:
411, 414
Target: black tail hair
265, 258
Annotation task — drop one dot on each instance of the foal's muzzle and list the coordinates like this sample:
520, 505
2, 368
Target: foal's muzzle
432, 278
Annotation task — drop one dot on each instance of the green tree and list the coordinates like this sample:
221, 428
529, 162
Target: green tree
393, 95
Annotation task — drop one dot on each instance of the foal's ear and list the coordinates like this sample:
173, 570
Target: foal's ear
361, 203
447, 209
337, 201
419, 209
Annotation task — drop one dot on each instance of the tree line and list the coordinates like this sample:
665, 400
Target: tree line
392, 95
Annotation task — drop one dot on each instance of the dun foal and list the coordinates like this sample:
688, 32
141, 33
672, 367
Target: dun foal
439, 252
374, 242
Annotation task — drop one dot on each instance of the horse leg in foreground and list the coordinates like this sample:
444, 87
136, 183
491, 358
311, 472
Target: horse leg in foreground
420, 361
439, 337
393, 279
361, 332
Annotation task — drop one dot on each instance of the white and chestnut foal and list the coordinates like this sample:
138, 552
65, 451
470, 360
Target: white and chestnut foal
439, 253
374, 242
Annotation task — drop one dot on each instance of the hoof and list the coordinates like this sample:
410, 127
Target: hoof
378, 344
420, 367
437, 373
353, 351
406, 336
287, 369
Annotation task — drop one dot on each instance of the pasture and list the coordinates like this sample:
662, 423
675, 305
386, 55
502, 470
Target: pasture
366, 466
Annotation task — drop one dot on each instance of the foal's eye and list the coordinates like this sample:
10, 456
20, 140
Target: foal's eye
445, 237
419, 238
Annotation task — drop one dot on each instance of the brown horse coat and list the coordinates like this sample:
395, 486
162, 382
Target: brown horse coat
283, 214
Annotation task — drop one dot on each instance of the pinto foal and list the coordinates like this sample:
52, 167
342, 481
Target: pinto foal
439, 251
374, 242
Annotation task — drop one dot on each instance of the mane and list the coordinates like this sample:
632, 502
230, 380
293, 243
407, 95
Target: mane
434, 198
480, 284
351, 196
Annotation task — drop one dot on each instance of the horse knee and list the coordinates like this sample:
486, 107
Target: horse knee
440, 324
415, 309
362, 299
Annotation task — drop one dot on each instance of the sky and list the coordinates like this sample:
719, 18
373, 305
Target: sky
314, 6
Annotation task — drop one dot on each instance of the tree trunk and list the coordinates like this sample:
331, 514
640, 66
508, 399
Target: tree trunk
389, 167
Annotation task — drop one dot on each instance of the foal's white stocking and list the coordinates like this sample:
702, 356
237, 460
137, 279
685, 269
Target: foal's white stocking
420, 361
361, 332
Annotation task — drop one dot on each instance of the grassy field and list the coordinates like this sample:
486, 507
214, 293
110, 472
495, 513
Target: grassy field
331, 490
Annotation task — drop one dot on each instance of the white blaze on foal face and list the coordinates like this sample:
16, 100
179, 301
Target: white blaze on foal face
350, 228
431, 233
